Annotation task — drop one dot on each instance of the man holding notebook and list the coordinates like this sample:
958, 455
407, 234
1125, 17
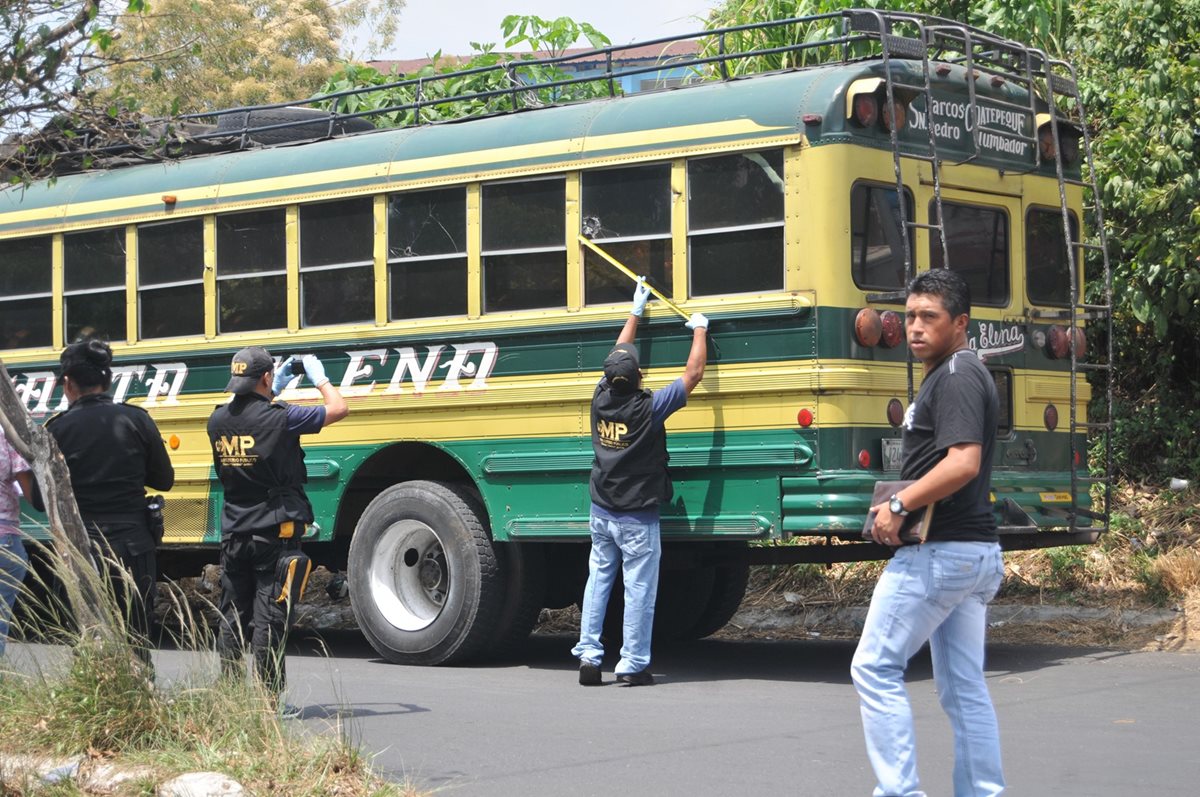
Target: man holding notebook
937, 590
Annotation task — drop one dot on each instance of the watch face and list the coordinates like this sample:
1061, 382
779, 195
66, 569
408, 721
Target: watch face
896, 506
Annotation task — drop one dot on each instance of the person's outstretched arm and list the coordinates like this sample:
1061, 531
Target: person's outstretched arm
698, 356
641, 295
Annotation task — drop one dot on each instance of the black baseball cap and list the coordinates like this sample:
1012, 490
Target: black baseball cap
247, 368
621, 368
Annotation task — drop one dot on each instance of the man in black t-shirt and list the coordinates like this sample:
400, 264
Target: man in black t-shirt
937, 591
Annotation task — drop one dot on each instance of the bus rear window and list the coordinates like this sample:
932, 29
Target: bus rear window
876, 237
977, 243
1003, 379
25, 297
1047, 277
735, 223
94, 284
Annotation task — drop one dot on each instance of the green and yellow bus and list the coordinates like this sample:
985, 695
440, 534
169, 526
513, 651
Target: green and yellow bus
438, 270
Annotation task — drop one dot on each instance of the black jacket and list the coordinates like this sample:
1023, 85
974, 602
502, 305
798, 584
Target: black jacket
260, 464
114, 451
629, 472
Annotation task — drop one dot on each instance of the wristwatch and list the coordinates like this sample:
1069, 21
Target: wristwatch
896, 506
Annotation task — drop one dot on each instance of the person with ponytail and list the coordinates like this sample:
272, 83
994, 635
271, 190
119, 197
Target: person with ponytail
114, 451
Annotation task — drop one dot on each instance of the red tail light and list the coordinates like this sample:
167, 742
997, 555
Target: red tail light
804, 418
893, 328
864, 458
1050, 417
895, 412
868, 327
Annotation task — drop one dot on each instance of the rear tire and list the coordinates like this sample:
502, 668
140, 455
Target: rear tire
424, 580
728, 590
524, 568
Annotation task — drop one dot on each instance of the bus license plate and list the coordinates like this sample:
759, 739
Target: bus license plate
891, 453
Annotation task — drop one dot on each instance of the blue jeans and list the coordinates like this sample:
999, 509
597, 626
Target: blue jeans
14, 561
636, 549
938, 592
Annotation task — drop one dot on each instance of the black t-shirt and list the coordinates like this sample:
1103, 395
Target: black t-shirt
957, 404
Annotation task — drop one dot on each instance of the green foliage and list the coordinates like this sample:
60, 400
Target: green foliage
1139, 65
435, 93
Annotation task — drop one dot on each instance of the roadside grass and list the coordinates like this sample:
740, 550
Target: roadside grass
99, 701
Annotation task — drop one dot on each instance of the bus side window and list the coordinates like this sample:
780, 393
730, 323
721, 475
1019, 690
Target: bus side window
252, 271
524, 245
171, 279
337, 273
627, 212
735, 223
876, 238
94, 284
427, 253
25, 293
1047, 277
977, 242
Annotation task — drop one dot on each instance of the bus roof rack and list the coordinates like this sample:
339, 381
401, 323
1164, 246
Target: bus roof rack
522, 84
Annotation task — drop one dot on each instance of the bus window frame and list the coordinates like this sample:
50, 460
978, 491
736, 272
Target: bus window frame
219, 278
935, 246
1057, 213
912, 238
141, 288
780, 225
603, 241
43, 295
122, 288
368, 264
1009, 433
463, 256
485, 253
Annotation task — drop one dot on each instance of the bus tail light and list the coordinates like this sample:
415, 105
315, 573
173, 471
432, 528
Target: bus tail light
866, 110
1080, 339
1050, 417
1068, 139
898, 112
868, 327
895, 412
893, 328
1078, 459
864, 458
804, 418
1057, 342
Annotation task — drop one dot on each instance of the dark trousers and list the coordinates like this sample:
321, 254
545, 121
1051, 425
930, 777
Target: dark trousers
250, 588
125, 553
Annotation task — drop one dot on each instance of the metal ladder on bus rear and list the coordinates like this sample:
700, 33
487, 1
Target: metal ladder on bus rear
894, 46
1067, 87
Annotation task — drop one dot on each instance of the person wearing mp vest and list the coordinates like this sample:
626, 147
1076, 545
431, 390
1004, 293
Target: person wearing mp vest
258, 458
629, 481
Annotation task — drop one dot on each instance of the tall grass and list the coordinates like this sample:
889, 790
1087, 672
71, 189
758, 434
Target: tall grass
102, 702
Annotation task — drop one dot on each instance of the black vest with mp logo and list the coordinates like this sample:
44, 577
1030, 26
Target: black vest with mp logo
260, 464
629, 472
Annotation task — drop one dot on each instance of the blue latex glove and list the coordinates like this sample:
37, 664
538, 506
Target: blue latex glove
314, 370
283, 375
641, 295
697, 321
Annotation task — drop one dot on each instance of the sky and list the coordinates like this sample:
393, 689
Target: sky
450, 25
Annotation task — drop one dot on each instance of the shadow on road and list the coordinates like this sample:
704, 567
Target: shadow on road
813, 661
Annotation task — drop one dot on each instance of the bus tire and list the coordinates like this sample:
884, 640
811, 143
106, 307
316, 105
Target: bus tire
524, 568
318, 126
425, 586
729, 588
683, 595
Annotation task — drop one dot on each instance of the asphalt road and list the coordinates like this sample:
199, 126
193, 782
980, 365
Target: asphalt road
749, 718
739, 718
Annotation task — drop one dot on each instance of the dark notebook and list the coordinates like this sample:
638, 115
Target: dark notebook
915, 527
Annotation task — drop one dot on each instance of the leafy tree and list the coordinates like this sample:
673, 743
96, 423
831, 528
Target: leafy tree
425, 95
1139, 64
197, 55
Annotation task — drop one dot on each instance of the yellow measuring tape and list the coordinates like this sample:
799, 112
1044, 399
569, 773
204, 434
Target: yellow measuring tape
619, 266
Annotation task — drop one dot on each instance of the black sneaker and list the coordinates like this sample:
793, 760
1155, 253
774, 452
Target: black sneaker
589, 674
639, 678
